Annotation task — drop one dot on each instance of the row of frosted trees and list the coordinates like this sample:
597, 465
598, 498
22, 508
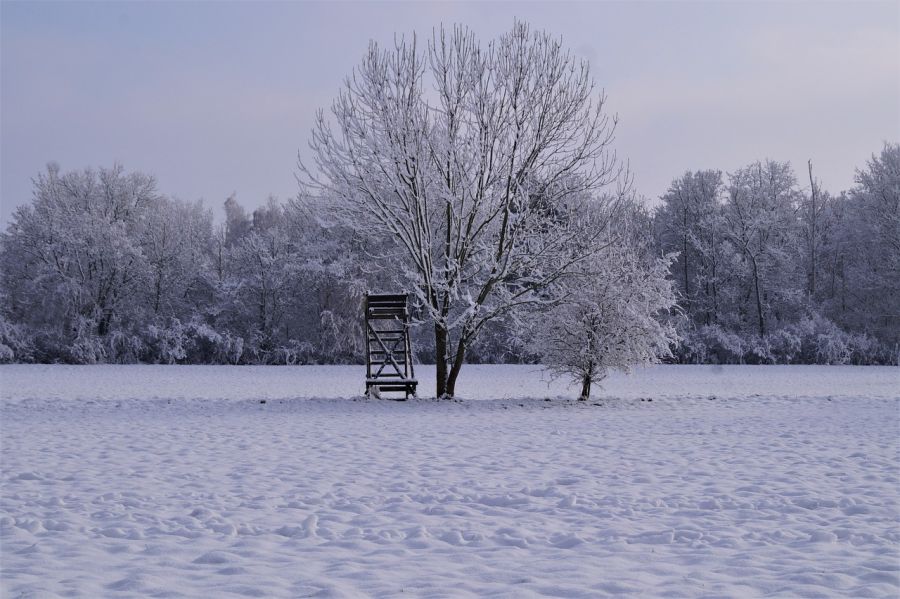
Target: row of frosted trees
769, 271
100, 267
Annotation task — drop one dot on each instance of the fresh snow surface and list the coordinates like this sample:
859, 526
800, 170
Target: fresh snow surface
168, 482
475, 382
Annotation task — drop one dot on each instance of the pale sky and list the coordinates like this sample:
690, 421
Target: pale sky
218, 97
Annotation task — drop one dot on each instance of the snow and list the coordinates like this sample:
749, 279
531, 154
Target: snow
24, 381
178, 481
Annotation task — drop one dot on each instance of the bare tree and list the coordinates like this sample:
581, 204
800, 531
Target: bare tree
615, 312
689, 224
174, 244
876, 200
761, 223
473, 159
815, 228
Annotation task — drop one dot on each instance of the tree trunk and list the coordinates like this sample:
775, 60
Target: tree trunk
585, 388
157, 293
440, 359
103, 325
715, 298
458, 360
813, 232
687, 285
759, 308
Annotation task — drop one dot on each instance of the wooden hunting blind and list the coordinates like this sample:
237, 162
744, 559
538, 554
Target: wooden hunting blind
389, 365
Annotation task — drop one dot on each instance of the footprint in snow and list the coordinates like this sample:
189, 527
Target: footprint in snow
664, 537
822, 536
129, 583
568, 502
453, 537
568, 480
565, 541
216, 558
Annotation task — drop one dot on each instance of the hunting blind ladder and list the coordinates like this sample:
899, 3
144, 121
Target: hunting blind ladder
389, 365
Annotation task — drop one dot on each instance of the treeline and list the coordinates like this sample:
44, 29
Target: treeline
772, 272
101, 267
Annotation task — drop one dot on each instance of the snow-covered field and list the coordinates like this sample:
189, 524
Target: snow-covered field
177, 481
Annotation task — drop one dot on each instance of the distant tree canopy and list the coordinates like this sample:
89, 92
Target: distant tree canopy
101, 267
772, 272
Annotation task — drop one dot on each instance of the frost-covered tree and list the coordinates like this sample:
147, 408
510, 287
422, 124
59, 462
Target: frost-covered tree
73, 262
237, 223
614, 316
798, 275
176, 243
761, 226
98, 259
465, 155
260, 280
815, 229
333, 267
875, 224
689, 223
287, 285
